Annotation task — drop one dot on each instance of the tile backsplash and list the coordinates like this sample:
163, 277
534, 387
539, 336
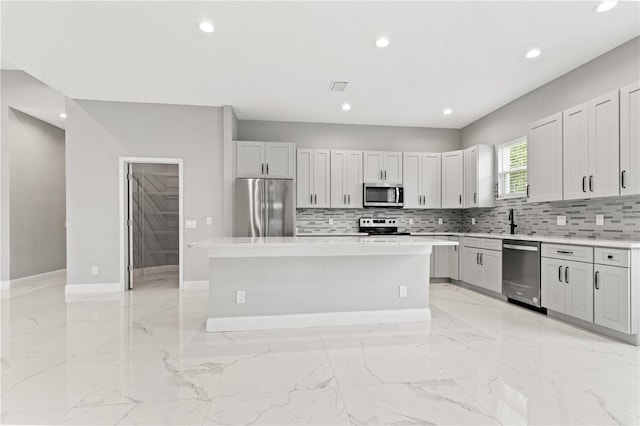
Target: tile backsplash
621, 218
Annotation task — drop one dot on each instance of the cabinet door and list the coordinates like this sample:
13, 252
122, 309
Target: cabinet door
321, 178
552, 285
454, 260
373, 163
279, 160
431, 181
612, 298
304, 180
575, 152
578, 297
338, 179
441, 261
250, 159
471, 177
393, 167
630, 139
544, 157
470, 269
412, 178
353, 183
491, 270
604, 145
452, 179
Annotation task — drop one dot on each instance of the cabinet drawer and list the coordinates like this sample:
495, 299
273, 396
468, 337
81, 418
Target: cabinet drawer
613, 257
484, 243
560, 251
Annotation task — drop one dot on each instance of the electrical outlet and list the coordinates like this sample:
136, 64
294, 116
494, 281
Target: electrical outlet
240, 297
403, 291
473, 220
94, 270
410, 221
191, 224
330, 221
209, 221
599, 219
561, 220
440, 221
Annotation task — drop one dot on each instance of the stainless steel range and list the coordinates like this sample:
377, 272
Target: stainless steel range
380, 226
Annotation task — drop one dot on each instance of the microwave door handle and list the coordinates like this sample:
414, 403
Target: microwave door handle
397, 194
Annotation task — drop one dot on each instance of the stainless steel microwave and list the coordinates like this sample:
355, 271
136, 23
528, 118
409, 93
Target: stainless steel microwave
376, 195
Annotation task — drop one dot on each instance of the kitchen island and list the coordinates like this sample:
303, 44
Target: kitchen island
265, 283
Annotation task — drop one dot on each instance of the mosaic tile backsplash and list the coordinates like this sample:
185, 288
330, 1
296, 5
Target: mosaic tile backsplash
621, 218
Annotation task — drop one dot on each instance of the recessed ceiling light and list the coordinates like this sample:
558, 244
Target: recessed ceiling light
63, 115
533, 53
206, 27
346, 107
605, 6
447, 111
382, 42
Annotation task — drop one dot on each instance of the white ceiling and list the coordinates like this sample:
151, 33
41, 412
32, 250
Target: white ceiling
275, 60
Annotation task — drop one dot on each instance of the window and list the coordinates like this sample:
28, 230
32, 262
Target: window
512, 169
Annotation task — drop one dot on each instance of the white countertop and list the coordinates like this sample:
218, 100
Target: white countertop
331, 234
594, 242
318, 241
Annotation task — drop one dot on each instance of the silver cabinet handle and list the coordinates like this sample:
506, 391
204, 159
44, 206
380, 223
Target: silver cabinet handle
311, 199
560, 273
262, 168
385, 175
528, 191
424, 200
460, 199
566, 274
591, 183
584, 184
477, 258
597, 284
482, 259
564, 252
267, 168
475, 197
344, 198
381, 175
349, 199
623, 174
315, 198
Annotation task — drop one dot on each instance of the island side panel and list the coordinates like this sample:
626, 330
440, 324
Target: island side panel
277, 286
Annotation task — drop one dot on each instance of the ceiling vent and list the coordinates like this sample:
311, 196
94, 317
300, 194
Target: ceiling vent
338, 86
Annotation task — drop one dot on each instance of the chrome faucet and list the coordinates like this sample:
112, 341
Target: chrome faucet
511, 221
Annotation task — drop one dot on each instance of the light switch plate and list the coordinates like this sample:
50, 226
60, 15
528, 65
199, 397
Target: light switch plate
561, 220
410, 221
240, 297
440, 221
94, 270
599, 219
473, 220
403, 291
191, 224
330, 221
209, 221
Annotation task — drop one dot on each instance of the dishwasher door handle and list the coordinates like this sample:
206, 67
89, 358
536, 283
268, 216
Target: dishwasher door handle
522, 248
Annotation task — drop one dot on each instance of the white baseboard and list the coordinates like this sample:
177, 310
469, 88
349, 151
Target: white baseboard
267, 322
37, 280
195, 285
93, 288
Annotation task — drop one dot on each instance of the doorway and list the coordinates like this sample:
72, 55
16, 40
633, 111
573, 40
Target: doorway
151, 222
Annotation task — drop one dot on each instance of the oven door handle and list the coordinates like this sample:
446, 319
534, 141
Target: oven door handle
521, 248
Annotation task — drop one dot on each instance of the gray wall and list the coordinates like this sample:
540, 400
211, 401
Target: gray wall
350, 136
608, 72
98, 133
19, 90
37, 211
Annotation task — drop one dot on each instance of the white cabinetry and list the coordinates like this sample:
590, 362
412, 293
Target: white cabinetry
452, 179
630, 139
454, 259
612, 290
544, 158
313, 178
604, 145
567, 285
575, 150
382, 167
479, 177
265, 159
346, 179
422, 180
481, 263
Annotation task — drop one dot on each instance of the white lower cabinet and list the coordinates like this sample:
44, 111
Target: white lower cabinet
612, 297
481, 267
441, 261
454, 260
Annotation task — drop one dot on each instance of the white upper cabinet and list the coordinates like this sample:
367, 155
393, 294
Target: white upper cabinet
604, 145
544, 157
346, 179
313, 178
422, 180
265, 159
479, 176
452, 179
630, 139
382, 167
575, 150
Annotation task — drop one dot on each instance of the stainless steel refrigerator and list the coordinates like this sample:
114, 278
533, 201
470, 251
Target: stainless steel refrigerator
264, 208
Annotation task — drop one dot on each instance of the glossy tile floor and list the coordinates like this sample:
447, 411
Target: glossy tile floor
144, 357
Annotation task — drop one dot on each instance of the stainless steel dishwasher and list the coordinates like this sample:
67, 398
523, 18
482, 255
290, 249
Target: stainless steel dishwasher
521, 272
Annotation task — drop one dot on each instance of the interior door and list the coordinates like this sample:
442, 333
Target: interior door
129, 209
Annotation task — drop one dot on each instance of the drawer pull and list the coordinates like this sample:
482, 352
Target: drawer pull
564, 252
610, 256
